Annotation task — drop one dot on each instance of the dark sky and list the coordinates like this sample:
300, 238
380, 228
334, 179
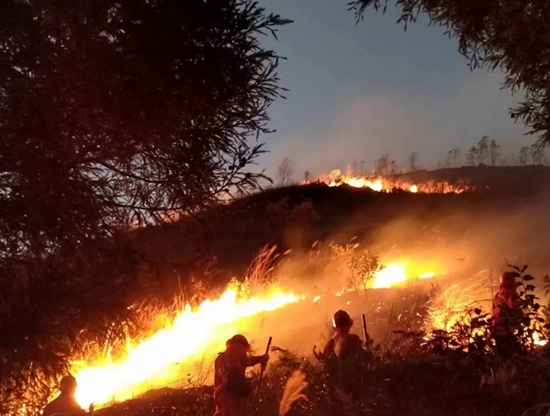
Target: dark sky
357, 91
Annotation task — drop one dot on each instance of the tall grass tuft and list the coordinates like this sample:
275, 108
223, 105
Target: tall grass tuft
293, 391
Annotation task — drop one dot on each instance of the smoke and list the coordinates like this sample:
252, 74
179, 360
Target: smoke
363, 126
466, 240
470, 232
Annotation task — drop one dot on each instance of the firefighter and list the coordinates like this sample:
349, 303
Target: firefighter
344, 356
232, 389
65, 403
506, 314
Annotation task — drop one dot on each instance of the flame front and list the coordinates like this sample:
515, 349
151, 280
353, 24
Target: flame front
191, 334
385, 184
396, 274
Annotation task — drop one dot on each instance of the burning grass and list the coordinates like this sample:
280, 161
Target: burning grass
178, 337
381, 183
450, 302
180, 342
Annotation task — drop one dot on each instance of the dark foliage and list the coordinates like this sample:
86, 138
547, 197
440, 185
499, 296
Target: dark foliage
113, 114
510, 35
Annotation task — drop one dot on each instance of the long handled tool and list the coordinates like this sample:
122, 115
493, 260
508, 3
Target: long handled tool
261, 376
367, 340
365, 332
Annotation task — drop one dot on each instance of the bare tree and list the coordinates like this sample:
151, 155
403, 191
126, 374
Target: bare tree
538, 154
483, 149
381, 165
393, 167
456, 155
449, 158
494, 151
472, 154
524, 155
413, 159
307, 176
285, 171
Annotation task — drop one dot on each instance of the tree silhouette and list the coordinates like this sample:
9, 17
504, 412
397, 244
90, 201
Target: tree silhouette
456, 154
524, 155
483, 149
113, 114
538, 155
393, 167
413, 159
511, 35
285, 171
472, 155
381, 165
494, 152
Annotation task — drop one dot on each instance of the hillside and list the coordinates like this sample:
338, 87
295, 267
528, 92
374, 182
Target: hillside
464, 233
517, 180
295, 217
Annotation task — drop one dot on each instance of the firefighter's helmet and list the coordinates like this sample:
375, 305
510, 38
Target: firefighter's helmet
239, 340
508, 279
341, 320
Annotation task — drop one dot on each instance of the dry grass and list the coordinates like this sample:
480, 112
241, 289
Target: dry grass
449, 303
293, 391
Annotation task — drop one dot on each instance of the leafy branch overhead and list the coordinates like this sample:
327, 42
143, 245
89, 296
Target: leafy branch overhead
113, 114
511, 35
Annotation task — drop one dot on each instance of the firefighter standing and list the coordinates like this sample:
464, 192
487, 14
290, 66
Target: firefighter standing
344, 355
232, 389
65, 403
506, 313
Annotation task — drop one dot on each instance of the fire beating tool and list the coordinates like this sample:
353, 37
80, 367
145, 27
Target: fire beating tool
367, 341
365, 332
261, 376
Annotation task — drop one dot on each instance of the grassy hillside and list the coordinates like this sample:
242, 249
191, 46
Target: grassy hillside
295, 217
411, 377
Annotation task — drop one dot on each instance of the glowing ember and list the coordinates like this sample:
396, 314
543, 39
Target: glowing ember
385, 184
191, 334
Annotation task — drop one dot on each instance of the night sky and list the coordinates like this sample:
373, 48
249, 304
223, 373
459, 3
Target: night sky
357, 91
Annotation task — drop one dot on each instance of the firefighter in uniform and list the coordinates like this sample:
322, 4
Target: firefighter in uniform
344, 356
506, 314
232, 389
65, 403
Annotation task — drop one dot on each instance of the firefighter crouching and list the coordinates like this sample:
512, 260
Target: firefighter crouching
506, 314
232, 389
344, 356
65, 404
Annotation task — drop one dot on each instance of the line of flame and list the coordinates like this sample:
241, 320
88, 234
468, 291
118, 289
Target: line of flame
187, 338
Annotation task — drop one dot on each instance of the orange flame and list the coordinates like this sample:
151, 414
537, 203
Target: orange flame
189, 336
193, 334
384, 184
